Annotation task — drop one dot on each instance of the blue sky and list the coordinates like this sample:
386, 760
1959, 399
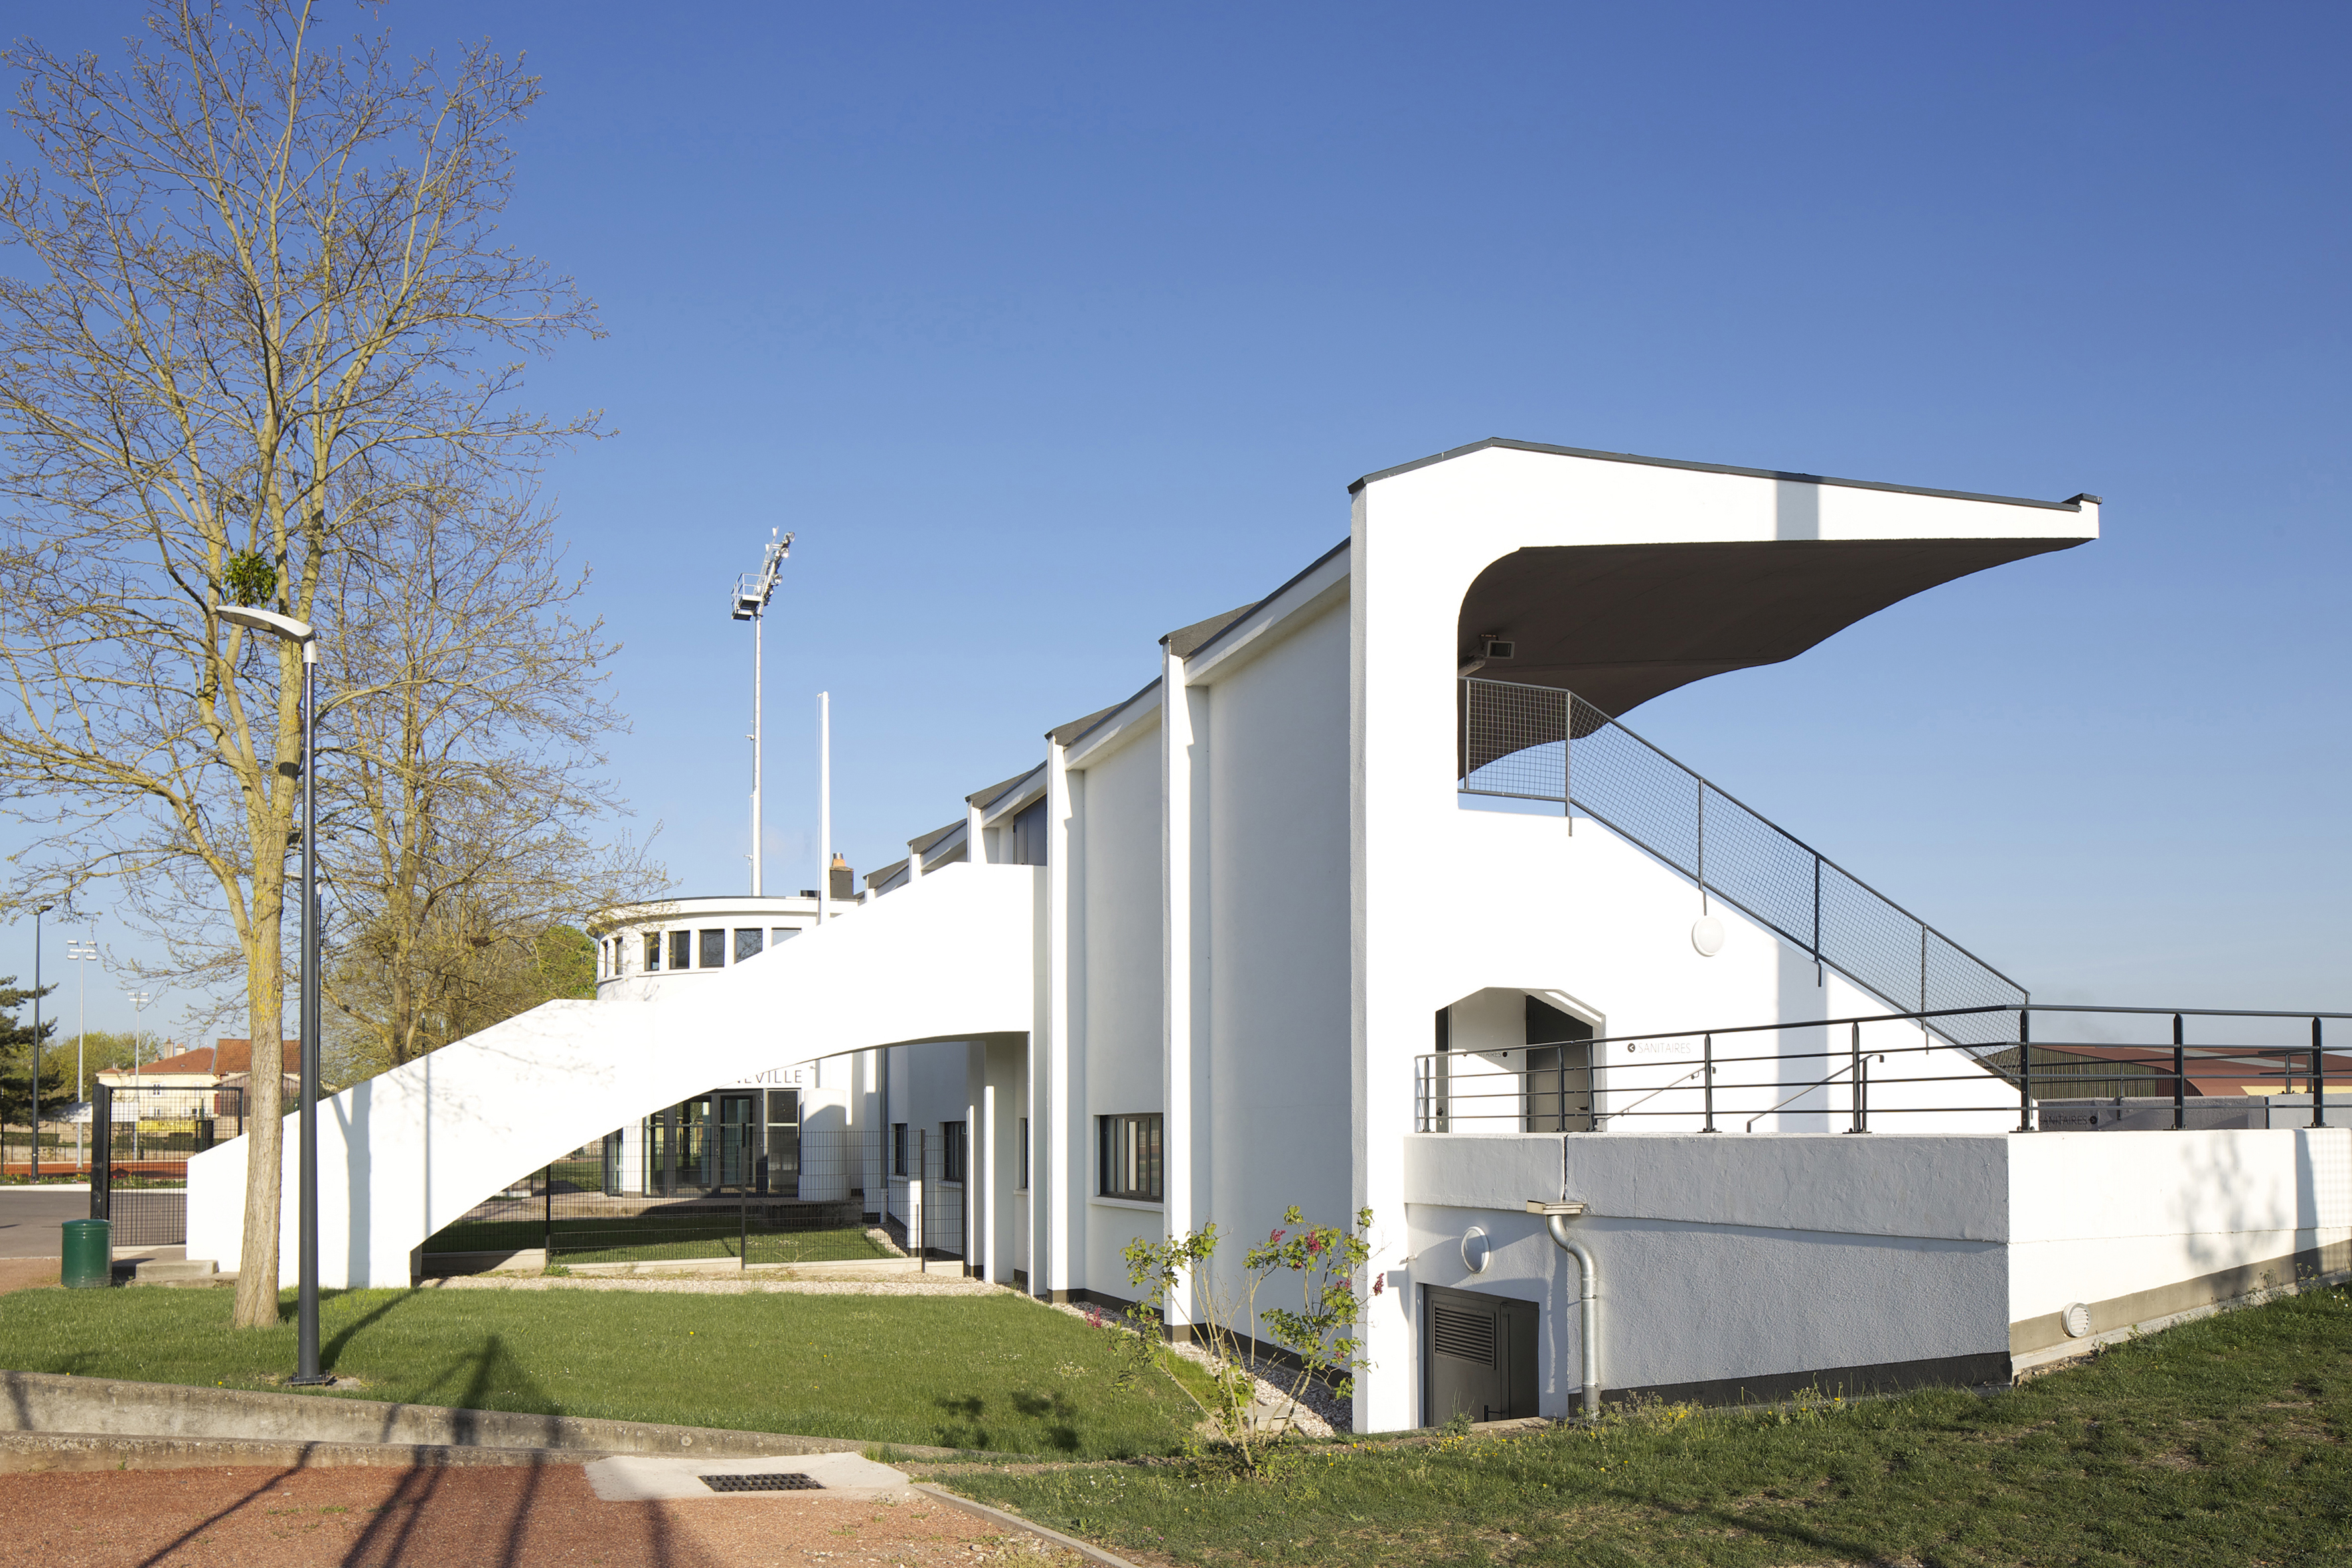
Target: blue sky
1048, 329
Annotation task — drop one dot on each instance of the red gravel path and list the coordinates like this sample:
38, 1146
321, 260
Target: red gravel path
463, 1517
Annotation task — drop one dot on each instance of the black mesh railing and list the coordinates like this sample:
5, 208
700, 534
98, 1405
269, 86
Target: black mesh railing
1541, 742
681, 1187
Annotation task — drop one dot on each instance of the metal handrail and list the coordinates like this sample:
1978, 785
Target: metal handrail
1599, 1115
2133, 1062
1749, 1126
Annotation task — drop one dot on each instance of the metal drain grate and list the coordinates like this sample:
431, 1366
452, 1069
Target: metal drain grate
768, 1481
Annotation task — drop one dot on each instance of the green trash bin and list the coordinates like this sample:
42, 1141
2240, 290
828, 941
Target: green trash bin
89, 1261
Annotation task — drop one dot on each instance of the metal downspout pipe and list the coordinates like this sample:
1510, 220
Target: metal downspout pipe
1556, 1218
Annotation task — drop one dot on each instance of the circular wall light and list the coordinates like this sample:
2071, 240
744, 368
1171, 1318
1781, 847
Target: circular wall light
2077, 1321
1706, 935
1475, 1250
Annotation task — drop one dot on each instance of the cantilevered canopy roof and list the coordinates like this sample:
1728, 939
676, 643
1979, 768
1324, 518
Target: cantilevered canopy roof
1619, 624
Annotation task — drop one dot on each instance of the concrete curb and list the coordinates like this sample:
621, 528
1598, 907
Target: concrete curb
1015, 1522
24, 1453
55, 1405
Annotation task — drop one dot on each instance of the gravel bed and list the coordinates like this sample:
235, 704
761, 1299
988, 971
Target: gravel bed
1324, 1412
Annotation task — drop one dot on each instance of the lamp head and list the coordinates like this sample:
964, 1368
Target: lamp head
253, 619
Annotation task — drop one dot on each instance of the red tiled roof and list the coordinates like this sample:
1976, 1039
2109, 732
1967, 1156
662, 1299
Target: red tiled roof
222, 1057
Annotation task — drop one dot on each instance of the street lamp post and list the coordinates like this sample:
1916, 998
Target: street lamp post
81, 952
752, 592
305, 1370
138, 1000
37, 913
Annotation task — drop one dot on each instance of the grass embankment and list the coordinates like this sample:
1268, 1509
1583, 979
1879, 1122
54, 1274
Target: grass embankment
989, 1372
2221, 1441
652, 1238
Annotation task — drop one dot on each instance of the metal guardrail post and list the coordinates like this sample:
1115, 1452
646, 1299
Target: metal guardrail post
2318, 1081
1817, 914
101, 1153
2179, 1077
2025, 1069
1859, 1104
1707, 1058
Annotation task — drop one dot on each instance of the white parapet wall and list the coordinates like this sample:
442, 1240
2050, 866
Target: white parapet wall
2141, 1226
1742, 1267
409, 1151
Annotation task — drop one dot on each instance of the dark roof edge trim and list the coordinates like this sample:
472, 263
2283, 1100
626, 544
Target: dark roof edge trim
1110, 713
1268, 602
985, 798
1509, 445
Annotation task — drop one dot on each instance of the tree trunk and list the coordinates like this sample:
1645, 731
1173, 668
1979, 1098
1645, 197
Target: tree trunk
257, 1276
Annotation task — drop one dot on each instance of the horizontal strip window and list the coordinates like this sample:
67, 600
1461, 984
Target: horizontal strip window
1129, 1164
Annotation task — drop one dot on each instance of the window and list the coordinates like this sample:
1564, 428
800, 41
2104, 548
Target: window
1130, 1157
951, 1150
653, 952
897, 1148
1024, 1154
1029, 835
714, 949
746, 942
782, 934
681, 950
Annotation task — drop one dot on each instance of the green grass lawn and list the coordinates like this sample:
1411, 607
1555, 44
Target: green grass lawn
615, 1240
987, 1371
2223, 1441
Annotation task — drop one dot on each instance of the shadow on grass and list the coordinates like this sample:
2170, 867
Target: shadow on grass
330, 1353
1056, 1410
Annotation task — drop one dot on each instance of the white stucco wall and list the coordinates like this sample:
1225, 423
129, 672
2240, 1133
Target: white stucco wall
2103, 1215
1732, 1258
1277, 1128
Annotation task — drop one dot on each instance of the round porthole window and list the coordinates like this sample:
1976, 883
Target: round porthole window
1475, 1250
2077, 1320
1706, 935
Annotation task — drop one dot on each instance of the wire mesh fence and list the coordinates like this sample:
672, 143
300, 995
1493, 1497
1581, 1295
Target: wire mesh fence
699, 1182
1538, 742
2067, 1067
141, 1137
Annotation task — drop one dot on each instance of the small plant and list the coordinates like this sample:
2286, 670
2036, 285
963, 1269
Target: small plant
249, 578
1320, 1332
557, 1272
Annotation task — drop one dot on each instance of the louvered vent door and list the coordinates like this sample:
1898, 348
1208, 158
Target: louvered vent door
1464, 1336
1478, 1356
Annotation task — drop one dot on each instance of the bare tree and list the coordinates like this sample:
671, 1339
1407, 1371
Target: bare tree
463, 780
260, 301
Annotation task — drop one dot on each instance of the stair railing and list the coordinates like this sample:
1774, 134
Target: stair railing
1544, 743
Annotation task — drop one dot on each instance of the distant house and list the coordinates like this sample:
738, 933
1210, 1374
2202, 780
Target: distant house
224, 1064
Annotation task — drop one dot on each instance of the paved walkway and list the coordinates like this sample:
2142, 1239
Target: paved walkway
29, 1217
479, 1517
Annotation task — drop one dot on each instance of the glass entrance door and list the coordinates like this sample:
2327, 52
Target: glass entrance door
739, 1131
783, 1166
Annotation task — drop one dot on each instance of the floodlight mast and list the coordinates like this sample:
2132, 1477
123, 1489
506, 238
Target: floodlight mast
752, 592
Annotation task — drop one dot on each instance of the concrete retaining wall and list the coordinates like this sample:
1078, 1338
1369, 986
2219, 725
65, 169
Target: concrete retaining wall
1735, 1267
49, 1403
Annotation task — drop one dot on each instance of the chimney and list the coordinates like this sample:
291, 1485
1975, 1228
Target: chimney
844, 880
